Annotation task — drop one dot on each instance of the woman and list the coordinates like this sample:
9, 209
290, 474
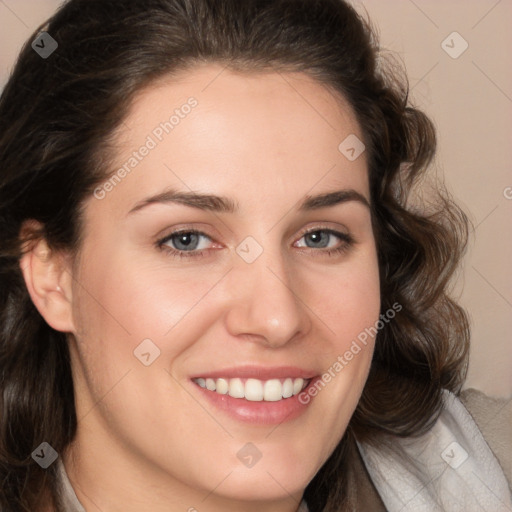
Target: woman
172, 337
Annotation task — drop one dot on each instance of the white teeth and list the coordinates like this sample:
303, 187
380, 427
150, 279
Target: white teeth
222, 386
288, 388
273, 390
236, 388
297, 386
255, 390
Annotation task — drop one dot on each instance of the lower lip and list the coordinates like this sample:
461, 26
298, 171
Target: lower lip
261, 413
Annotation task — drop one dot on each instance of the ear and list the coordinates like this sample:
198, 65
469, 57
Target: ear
48, 278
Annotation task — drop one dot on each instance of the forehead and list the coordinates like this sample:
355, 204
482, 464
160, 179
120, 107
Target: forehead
254, 134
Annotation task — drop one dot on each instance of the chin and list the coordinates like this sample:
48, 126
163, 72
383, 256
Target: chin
265, 484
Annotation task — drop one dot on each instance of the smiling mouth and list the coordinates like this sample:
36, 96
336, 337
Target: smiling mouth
255, 390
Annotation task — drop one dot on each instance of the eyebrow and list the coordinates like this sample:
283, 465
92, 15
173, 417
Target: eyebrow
223, 204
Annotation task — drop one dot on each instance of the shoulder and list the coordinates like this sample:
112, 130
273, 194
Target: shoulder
450, 466
494, 419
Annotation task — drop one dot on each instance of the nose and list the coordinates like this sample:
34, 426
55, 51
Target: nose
265, 303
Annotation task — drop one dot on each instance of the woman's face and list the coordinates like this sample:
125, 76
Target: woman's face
251, 303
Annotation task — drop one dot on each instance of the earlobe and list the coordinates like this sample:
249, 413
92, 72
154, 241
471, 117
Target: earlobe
48, 279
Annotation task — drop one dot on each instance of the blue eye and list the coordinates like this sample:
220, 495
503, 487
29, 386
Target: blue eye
323, 236
184, 243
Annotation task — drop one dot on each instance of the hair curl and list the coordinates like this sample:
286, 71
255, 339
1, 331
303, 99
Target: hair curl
57, 120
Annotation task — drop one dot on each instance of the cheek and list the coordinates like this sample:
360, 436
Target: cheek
351, 301
121, 300
124, 299
350, 310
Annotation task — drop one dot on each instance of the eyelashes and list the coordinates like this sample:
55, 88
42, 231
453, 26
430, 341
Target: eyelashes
180, 236
189, 237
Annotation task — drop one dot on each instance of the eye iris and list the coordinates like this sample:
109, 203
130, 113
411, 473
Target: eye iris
317, 236
187, 239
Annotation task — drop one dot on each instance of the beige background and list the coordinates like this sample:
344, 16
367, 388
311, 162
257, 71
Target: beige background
470, 101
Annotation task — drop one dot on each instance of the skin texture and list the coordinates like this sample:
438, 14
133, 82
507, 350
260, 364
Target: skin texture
147, 439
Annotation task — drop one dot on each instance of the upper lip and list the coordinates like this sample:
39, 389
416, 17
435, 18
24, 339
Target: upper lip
257, 372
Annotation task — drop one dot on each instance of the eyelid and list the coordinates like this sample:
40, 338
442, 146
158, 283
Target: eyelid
322, 227
346, 239
162, 240
195, 227
197, 230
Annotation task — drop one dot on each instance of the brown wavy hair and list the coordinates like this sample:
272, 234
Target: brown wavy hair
58, 117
